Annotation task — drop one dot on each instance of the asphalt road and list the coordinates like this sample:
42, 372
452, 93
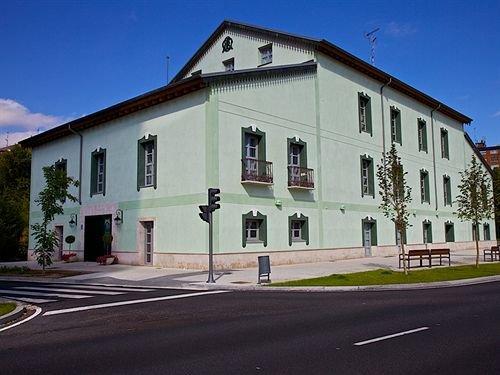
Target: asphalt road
264, 333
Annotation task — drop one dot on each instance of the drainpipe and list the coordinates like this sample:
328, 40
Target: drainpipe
383, 117
434, 155
80, 166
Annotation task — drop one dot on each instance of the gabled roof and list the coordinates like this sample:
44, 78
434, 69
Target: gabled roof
337, 53
160, 95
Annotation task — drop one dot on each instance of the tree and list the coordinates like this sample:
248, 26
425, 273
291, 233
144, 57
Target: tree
50, 200
15, 169
475, 202
395, 194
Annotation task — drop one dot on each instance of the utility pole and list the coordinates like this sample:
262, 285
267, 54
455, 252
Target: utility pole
206, 215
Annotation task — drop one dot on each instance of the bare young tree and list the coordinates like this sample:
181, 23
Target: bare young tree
395, 194
475, 201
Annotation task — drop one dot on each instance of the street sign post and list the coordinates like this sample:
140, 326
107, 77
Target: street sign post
206, 215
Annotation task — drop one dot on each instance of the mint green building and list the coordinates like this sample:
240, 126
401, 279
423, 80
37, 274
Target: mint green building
290, 129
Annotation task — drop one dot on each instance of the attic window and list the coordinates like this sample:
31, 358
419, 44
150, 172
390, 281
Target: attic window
266, 54
228, 65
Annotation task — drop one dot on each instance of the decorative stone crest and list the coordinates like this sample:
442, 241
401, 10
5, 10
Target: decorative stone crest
227, 44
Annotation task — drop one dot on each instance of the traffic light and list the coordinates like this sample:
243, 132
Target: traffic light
213, 198
205, 213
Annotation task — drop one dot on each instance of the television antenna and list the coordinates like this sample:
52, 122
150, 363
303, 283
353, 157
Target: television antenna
372, 39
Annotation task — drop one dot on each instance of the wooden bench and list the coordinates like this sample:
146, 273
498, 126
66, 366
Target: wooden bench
416, 254
493, 253
440, 254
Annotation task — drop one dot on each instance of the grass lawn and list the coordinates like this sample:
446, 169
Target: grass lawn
6, 308
25, 271
384, 277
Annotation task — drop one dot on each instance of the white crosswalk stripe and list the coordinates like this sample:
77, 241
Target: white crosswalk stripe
26, 293
45, 293
67, 290
32, 300
104, 287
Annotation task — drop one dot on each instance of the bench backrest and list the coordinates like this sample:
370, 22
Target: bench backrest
494, 248
440, 251
418, 252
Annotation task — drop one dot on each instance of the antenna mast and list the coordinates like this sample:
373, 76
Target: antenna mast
372, 39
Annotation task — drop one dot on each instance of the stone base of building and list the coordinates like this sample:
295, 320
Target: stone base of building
244, 260
249, 259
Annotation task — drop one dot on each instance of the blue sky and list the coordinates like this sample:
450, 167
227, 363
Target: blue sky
64, 59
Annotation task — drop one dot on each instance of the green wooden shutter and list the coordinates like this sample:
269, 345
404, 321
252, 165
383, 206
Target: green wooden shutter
104, 173
303, 155
290, 218
448, 190
93, 174
140, 164
424, 136
155, 179
369, 115
371, 178
360, 101
361, 158
449, 232
305, 229
244, 232
374, 233
426, 188
398, 128
263, 229
429, 232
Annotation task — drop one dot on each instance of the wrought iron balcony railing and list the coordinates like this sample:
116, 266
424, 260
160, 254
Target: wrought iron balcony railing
301, 178
256, 171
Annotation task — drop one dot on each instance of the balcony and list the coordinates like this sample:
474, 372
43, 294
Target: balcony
255, 171
300, 178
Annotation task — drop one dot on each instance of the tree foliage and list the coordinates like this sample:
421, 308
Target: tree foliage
50, 200
475, 200
395, 194
15, 168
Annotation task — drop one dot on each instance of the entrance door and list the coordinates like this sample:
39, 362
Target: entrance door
367, 239
148, 243
59, 233
95, 228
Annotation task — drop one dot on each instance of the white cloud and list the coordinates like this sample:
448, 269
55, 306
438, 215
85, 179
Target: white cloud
400, 29
14, 137
14, 114
496, 114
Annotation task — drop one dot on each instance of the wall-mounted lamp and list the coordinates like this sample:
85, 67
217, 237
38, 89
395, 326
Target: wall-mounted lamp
278, 202
73, 220
342, 208
118, 216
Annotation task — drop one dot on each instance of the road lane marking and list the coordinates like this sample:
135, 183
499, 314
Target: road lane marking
26, 293
131, 302
69, 290
32, 300
98, 287
391, 336
38, 310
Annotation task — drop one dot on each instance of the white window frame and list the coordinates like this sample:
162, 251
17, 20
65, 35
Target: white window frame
422, 186
266, 54
421, 125
394, 126
99, 187
252, 226
228, 65
251, 163
362, 114
365, 176
296, 228
149, 150
446, 180
148, 241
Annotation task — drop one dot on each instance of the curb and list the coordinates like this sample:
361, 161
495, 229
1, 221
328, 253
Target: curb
264, 288
13, 315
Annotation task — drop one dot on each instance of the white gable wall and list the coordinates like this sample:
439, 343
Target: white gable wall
246, 52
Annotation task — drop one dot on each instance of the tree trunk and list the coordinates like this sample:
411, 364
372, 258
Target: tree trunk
477, 248
400, 239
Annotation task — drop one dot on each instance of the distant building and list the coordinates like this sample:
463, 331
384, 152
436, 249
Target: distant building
491, 154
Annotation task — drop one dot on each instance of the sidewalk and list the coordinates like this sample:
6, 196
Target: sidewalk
178, 278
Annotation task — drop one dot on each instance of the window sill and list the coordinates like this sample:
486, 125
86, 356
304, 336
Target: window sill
254, 242
298, 241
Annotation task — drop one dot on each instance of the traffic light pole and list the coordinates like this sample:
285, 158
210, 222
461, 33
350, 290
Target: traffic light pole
210, 251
